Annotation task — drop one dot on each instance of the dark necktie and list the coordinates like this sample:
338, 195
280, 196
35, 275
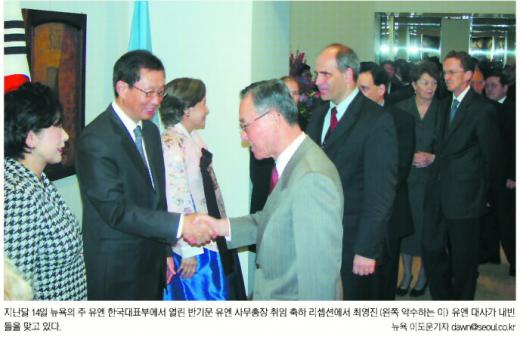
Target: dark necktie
333, 119
274, 179
333, 123
453, 109
139, 144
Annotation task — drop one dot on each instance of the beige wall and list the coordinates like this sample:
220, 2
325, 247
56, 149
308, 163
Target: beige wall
315, 24
227, 44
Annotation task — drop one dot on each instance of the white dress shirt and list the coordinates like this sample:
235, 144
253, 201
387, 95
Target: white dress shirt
341, 108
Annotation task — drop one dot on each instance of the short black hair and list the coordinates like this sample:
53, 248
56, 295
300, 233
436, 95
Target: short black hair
128, 67
501, 77
272, 94
32, 107
388, 62
467, 63
379, 75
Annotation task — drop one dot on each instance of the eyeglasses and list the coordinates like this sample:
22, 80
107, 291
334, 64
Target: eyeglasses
452, 72
161, 93
244, 126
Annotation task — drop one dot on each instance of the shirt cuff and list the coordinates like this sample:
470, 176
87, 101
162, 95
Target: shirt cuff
228, 237
179, 229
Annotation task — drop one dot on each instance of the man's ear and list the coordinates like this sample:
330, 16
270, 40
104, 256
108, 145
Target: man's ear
382, 89
121, 87
349, 75
468, 75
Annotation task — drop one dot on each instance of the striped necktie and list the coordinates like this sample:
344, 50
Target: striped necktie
453, 109
139, 144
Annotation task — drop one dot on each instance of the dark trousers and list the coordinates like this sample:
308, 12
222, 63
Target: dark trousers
498, 226
355, 287
506, 215
386, 275
450, 256
489, 249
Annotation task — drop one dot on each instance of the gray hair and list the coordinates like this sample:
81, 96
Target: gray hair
272, 94
346, 58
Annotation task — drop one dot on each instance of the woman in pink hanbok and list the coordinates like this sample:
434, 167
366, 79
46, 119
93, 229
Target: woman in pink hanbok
211, 272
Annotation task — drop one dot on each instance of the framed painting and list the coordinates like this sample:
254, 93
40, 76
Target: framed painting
56, 51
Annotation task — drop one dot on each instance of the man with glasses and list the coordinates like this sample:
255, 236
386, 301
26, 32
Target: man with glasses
360, 139
298, 233
455, 199
127, 232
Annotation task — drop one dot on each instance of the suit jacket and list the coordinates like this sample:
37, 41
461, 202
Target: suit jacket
298, 233
397, 96
260, 175
363, 147
401, 223
507, 125
126, 231
466, 156
509, 135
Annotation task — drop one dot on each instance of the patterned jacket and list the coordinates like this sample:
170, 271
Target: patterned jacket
41, 235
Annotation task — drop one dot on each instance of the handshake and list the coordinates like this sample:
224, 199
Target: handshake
198, 229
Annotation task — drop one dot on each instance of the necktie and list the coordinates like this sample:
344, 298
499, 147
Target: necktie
139, 144
333, 123
274, 179
453, 109
333, 119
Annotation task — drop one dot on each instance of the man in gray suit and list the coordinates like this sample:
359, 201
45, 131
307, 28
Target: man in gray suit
298, 234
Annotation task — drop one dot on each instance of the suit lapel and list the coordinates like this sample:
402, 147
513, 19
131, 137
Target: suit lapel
293, 162
273, 201
152, 151
314, 129
346, 123
462, 111
128, 144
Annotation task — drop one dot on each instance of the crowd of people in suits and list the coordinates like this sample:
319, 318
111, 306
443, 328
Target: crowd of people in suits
396, 160
454, 185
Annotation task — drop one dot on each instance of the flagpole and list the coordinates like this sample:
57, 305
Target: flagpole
141, 36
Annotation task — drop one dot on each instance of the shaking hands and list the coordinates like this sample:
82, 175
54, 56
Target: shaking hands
199, 229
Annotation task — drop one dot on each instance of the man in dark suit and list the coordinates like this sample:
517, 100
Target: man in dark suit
360, 139
371, 82
127, 232
504, 186
466, 142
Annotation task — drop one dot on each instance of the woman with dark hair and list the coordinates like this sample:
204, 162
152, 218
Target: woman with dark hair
42, 237
211, 272
423, 106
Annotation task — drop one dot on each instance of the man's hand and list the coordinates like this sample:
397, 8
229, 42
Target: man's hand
188, 267
510, 184
170, 269
196, 233
363, 265
423, 159
220, 227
